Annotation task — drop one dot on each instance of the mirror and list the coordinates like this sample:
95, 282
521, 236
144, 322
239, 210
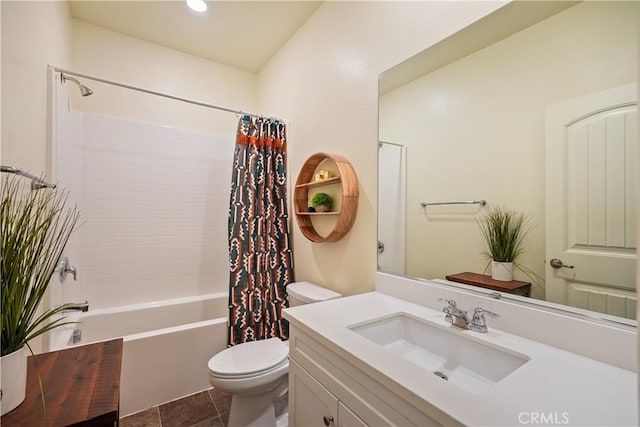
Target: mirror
477, 116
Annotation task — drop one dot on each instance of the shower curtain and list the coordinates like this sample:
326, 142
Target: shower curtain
261, 264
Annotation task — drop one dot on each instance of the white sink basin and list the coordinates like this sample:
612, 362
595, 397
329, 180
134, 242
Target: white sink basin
454, 356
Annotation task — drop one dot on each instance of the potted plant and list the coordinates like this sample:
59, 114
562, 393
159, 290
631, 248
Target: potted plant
322, 202
34, 230
504, 232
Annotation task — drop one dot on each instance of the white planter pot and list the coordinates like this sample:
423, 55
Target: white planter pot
13, 379
502, 271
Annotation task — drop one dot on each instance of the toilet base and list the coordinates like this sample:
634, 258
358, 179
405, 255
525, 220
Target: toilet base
258, 411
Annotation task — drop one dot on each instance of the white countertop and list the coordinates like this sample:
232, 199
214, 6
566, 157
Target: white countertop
554, 387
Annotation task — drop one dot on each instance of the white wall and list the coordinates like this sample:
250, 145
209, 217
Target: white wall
34, 34
154, 203
113, 56
325, 81
475, 129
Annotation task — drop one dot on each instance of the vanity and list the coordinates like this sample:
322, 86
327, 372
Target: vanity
380, 359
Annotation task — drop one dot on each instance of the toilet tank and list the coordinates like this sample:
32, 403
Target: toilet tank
306, 293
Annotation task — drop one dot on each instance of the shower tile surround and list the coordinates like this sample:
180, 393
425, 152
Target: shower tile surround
154, 205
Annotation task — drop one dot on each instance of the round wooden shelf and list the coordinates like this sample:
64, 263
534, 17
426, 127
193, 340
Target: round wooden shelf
349, 183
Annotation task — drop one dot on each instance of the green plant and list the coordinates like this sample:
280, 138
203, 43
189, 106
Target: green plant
504, 232
321, 199
34, 230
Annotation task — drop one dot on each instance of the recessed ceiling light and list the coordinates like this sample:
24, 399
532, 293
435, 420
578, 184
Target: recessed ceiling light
197, 5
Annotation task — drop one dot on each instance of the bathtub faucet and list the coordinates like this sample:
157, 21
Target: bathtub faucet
84, 307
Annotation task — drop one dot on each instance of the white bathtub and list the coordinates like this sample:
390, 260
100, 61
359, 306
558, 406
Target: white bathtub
166, 345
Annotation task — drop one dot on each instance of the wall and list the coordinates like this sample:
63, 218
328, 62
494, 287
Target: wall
489, 141
325, 82
34, 34
113, 56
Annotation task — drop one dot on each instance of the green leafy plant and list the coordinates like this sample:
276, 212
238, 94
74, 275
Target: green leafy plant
321, 199
504, 232
35, 227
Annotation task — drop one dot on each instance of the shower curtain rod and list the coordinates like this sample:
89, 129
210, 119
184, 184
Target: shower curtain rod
165, 95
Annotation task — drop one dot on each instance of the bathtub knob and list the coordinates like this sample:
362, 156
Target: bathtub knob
327, 420
66, 268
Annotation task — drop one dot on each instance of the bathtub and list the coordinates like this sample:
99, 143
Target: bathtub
167, 345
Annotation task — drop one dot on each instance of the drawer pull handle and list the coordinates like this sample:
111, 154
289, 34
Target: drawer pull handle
327, 420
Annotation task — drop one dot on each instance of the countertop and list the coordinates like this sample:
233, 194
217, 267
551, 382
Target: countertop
557, 386
81, 387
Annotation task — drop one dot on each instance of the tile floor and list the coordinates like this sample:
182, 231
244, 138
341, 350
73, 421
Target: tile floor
209, 408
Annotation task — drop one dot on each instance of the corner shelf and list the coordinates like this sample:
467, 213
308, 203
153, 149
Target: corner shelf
349, 186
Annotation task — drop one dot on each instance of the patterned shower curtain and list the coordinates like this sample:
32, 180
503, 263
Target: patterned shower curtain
259, 251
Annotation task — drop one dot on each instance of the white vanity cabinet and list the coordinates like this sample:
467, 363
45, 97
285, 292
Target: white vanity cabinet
313, 405
327, 390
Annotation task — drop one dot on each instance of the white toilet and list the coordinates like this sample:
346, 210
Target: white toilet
256, 372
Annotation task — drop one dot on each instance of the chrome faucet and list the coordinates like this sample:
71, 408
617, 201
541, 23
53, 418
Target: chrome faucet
83, 307
454, 314
66, 268
458, 317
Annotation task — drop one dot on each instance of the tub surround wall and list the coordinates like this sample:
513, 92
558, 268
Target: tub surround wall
154, 202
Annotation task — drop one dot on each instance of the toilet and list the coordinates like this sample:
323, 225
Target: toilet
256, 372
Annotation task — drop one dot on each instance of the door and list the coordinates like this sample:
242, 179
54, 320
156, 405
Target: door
310, 404
591, 169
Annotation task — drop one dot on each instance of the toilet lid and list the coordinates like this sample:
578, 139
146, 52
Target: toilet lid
249, 358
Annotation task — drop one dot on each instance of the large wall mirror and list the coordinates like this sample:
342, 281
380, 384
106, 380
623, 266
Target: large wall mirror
534, 109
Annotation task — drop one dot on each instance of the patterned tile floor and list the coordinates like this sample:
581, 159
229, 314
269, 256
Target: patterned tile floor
209, 408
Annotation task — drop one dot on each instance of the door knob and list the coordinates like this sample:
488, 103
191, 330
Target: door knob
557, 263
380, 246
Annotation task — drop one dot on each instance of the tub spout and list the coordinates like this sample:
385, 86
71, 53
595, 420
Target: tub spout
84, 307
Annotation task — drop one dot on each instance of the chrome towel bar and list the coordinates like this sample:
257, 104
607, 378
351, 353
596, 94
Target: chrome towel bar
481, 202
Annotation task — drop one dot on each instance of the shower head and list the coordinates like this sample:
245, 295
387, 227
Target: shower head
84, 91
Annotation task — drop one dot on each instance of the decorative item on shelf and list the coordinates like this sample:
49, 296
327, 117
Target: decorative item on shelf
345, 178
35, 230
323, 175
322, 202
504, 232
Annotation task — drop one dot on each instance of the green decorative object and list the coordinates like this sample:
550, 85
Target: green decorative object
322, 202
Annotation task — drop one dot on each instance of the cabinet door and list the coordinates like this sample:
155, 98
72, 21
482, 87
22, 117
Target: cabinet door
346, 418
310, 404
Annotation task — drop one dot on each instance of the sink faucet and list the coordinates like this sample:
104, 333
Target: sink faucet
458, 317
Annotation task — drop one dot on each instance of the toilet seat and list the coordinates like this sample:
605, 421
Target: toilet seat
249, 359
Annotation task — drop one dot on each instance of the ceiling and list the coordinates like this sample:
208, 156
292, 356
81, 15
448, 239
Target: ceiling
242, 34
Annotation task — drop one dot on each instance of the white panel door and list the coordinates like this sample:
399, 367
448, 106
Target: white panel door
591, 156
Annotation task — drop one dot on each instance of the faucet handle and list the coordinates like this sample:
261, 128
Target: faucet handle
478, 322
480, 310
451, 302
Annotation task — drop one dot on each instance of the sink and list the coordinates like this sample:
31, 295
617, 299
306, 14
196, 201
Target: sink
453, 355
